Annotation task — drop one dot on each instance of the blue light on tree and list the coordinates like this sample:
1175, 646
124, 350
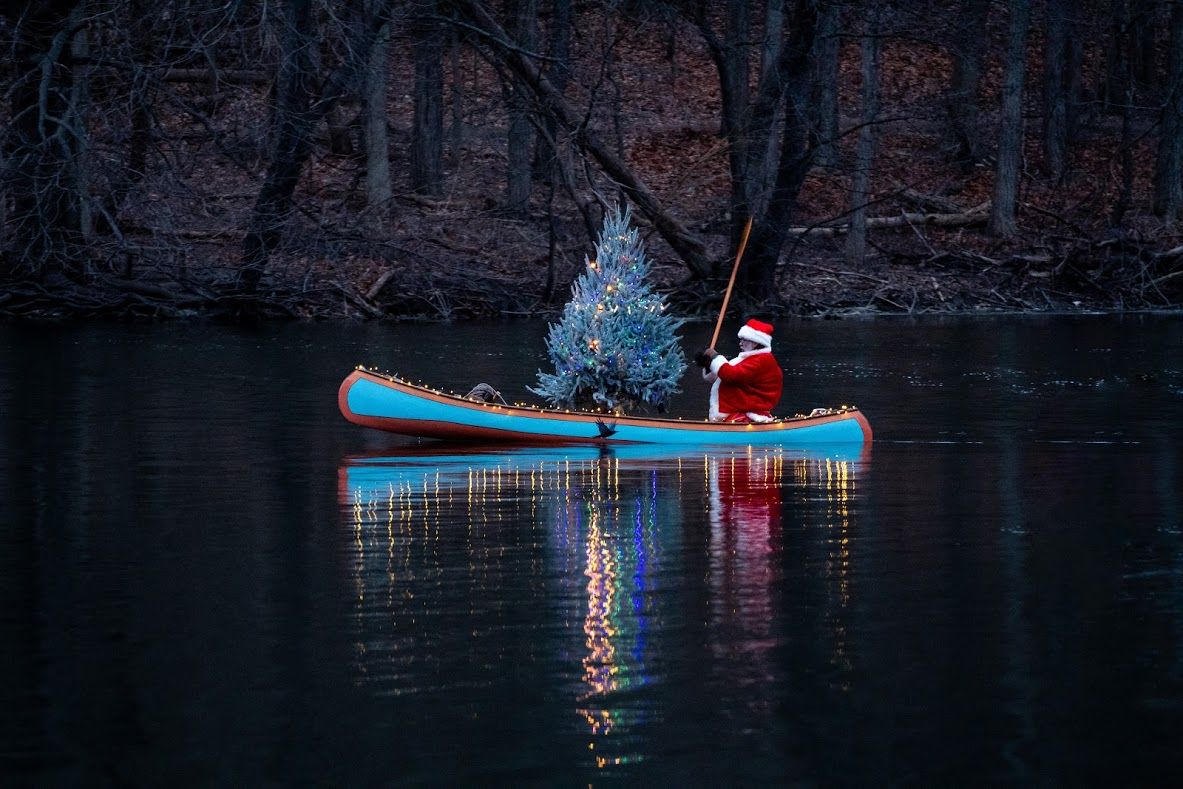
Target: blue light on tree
614, 346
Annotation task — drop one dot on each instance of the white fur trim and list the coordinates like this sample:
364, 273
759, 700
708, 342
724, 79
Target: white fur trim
718, 362
760, 338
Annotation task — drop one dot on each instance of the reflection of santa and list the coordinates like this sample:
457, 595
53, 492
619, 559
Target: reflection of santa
745, 536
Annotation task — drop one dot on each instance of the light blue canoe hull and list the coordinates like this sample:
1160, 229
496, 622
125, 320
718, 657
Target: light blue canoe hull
386, 403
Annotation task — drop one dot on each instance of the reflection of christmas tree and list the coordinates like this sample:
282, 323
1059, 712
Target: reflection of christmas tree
614, 347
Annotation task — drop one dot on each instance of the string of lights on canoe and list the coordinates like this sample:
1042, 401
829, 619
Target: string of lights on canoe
394, 378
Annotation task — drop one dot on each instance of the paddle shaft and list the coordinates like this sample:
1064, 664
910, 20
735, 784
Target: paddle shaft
743, 242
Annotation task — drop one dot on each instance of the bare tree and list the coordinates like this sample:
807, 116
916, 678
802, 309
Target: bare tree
139, 89
299, 107
761, 184
1168, 189
794, 159
731, 60
860, 192
76, 119
43, 141
523, 29
1124, 76
1130, 52
558, 73
378, 186
427, 127
1010, 142
1143, 43
456, 102
969, 42
1055, 88
292, 138
825, 81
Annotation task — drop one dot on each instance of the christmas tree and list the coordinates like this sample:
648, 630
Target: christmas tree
614, 347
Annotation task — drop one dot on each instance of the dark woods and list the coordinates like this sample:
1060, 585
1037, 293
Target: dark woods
447, 159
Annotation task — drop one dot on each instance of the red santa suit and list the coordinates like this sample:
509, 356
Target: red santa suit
747, 386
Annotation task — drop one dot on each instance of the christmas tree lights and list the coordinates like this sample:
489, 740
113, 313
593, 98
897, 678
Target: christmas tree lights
614, 347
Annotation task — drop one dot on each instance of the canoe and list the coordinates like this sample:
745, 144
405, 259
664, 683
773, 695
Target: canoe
386, 402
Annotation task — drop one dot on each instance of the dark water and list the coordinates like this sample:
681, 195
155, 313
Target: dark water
207, 577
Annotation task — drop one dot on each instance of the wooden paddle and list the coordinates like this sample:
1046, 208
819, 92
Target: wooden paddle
743, 242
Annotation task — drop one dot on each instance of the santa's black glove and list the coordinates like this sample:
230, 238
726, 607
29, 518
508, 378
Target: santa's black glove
703, 358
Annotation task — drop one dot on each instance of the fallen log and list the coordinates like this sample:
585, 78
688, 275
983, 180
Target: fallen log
358, 300
934, 204
373, 291
978, 215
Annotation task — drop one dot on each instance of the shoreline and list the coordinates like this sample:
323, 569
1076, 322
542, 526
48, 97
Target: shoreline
816, 285
261, 310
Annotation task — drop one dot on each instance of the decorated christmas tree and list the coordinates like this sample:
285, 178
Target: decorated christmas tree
614, 347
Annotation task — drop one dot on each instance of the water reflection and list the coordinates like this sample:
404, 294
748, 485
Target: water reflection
602, 542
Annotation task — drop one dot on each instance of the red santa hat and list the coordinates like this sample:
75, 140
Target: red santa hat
758, 332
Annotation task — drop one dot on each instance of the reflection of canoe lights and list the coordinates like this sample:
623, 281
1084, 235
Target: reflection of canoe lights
606, 518
599, 667
839, 486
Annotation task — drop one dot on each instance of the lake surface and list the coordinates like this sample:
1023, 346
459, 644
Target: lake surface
208, 577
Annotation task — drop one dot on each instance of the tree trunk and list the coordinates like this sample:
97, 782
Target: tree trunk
1074, 77
1010, 141
1168, 188
860, 192
1126, 152
825, 80
730, 56
687, 246
1143, 30
139, 142
969, 42
520, 136
378, 187
762, 148
1116, 52
735, 112
457, 97
610, 70
558, 72
79, 99
757, 277
427, 126
1055, 99
1124, 73
748, 125
294, 123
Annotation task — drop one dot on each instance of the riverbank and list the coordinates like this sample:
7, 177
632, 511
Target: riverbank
1114, 276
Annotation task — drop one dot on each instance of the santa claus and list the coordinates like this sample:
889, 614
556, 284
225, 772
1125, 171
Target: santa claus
748, 387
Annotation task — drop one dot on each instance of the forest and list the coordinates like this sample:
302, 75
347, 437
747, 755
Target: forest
450, 159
